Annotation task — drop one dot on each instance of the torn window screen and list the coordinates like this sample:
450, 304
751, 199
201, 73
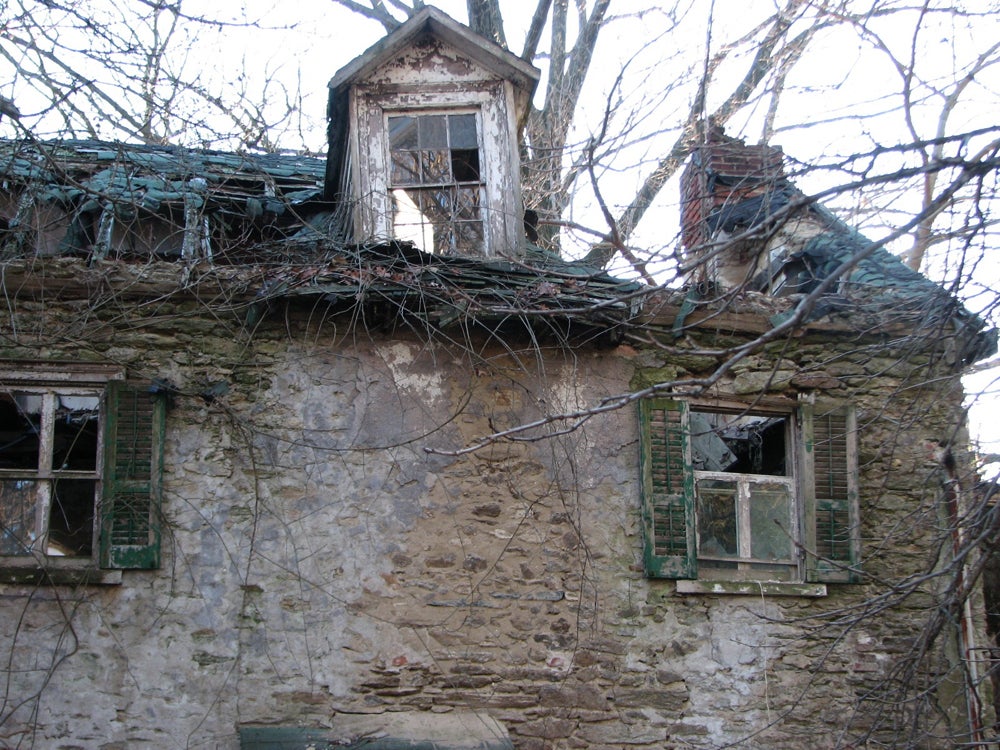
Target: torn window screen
49, 471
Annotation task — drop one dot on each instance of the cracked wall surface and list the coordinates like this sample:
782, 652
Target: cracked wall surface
326, 559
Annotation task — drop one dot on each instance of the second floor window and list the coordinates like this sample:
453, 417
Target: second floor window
732, 494
436, 182
744, 495
49, 470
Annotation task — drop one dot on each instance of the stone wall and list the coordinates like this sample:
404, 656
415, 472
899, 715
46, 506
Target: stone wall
328, 556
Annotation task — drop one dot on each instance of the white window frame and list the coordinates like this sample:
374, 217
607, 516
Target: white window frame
72, 380
482, 183
370, 163
747, 567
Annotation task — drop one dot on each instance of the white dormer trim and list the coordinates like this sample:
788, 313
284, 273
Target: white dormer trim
431, 65
502, 212
504, 64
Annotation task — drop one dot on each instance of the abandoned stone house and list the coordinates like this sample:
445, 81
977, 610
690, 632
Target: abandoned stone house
304, 452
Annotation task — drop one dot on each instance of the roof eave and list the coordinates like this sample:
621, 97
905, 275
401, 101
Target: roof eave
488, 54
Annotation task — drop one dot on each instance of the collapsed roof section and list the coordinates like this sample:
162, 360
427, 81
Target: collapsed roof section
747, 228
402, 282
263, 217
110, 196
260, 223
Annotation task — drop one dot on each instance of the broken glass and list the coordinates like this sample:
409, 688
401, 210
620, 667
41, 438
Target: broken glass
18, 502
49, 456
20, 430
74, 446
717, 520
71, 518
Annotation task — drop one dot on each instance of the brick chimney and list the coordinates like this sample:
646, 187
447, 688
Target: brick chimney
718, 188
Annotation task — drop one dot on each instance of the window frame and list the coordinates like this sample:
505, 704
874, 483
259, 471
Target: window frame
454, 185
127, 476
368, 163
45, 474
827, 553
746, 564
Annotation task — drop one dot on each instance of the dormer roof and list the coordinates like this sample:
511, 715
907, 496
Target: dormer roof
431, 21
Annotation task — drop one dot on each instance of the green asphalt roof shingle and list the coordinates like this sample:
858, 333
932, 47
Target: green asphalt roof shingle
90, 176
154, 177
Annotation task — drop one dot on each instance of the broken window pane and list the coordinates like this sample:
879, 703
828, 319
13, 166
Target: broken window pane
465, 165
74, 445
738, 443
745, 507
18, 502
20, 430
71, 517
430, 156
49, 459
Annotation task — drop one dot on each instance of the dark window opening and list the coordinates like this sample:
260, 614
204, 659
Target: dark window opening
49, 448
71, 517
74, 445
739, 444
20, 430
465, 165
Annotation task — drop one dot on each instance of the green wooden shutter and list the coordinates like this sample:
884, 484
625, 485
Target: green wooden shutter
131, 489
667, 490
830, 493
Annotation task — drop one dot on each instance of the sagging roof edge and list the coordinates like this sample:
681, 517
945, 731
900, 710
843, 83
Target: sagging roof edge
537, 286
409, 281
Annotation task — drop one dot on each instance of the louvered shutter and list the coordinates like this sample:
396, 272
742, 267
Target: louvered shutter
131, 490
830, 491
667, 490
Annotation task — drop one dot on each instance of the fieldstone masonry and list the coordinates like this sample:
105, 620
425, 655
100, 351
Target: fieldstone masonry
329, 557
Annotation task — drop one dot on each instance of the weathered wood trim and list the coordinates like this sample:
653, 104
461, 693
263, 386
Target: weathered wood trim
490, 56
751, 588
58, 371
503, 228
56, 572
764, 404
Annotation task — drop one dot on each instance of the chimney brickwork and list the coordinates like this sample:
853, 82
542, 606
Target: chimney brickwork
724, 171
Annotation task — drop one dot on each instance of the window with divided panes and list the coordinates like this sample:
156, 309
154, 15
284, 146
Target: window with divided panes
436, 181
80, 468
737, 495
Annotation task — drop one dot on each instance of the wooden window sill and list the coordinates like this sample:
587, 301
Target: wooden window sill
58, 573
751, 588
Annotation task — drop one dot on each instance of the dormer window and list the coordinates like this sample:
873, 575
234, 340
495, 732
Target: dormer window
436, 181
424, 140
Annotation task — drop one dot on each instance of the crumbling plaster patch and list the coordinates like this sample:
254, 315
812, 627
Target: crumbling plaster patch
333, 569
